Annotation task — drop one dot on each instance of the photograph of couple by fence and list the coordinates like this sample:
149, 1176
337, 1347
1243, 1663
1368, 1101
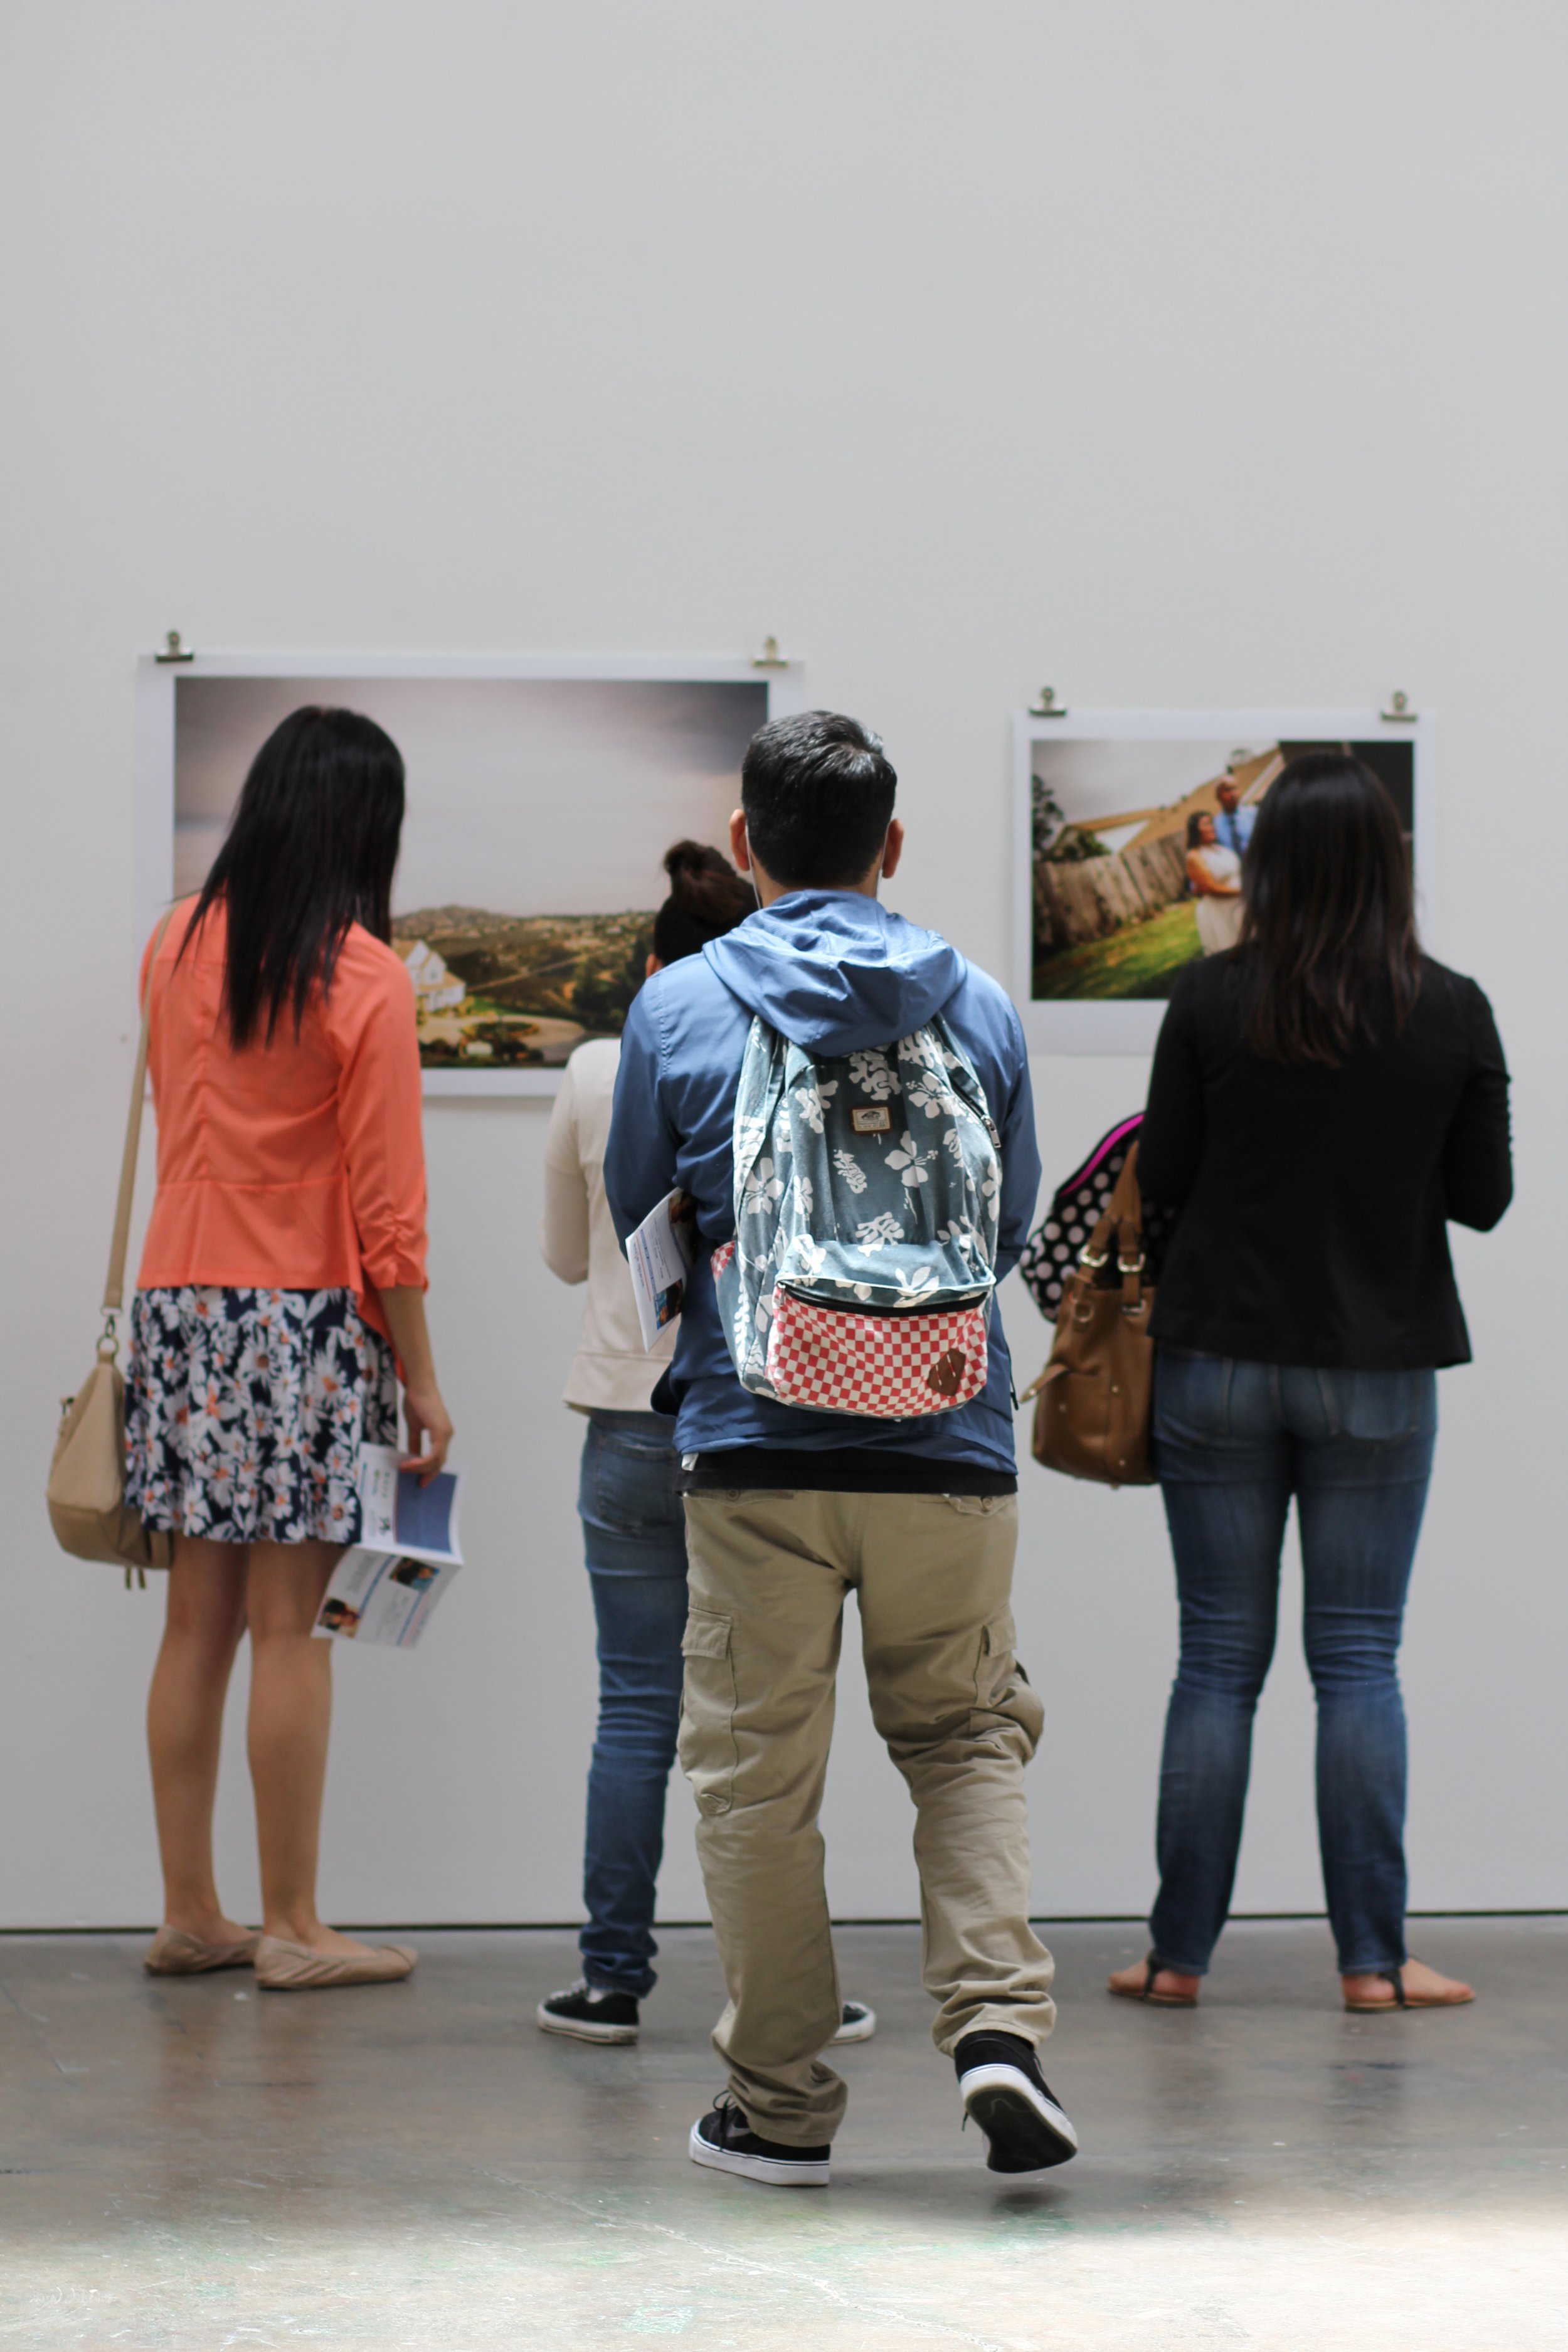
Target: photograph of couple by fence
1136, 849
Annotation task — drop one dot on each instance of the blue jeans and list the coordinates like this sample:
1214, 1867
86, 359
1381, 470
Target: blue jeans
1233, 1442
633, 1537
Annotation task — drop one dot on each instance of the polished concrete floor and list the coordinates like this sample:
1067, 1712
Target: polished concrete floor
194, 2165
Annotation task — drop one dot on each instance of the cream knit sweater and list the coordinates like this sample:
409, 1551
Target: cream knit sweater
611, 1372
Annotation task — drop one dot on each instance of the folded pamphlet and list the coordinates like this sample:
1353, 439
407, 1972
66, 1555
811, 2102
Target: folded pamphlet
385, 1587
660, 1254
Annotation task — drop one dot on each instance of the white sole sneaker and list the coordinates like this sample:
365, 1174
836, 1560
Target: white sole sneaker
580, 2029
1025, 2127
859, 2029
779, 2173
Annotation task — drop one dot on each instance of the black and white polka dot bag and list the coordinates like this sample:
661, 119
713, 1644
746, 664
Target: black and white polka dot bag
1077, 1207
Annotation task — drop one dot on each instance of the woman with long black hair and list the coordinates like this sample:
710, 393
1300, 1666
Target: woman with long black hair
283, 1268
1325, 1100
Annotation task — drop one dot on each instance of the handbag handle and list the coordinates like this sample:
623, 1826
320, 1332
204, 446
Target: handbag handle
114, 1287
1119, 1214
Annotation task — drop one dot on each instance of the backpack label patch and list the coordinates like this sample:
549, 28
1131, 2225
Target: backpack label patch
872, 1119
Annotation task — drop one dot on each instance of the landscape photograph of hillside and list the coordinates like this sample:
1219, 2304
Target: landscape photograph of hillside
538, 810
519, 990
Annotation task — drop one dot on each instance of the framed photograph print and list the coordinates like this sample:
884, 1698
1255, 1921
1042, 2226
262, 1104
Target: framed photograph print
542, 796
1130, 830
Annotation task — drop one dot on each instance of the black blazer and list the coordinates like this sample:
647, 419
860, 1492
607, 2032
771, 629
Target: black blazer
1313, 1202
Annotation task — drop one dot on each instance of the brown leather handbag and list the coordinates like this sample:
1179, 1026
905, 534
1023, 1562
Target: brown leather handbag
1093, 1399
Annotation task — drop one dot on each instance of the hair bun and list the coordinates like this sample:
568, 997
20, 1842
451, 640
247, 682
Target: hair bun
707, 897
704, 884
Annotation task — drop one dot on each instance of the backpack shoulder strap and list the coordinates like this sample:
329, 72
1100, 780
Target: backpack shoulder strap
965, 1077
758, 1090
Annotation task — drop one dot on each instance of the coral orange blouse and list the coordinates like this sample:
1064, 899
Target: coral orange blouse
298, 1165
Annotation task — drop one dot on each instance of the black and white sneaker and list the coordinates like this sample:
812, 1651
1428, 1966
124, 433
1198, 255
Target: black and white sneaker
860, 2024
1002, 2088
589, 2014
724, 2139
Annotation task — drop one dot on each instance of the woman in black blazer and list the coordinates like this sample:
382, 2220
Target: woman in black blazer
1325, 1100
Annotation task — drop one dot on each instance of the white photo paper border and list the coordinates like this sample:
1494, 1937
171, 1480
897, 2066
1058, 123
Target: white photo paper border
1130, 1025
156, 681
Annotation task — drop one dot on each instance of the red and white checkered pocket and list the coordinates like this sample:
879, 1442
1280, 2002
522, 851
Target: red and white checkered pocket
885, 1367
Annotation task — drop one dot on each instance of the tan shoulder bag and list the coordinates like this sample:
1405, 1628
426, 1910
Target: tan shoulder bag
85, 1492
1093, 1399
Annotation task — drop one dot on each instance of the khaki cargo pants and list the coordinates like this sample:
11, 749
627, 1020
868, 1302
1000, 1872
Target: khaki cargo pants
933, 1577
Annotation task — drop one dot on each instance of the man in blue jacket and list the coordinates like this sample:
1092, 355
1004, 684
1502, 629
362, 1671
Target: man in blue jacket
787, 1510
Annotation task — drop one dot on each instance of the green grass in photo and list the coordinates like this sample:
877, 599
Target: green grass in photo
1142, 960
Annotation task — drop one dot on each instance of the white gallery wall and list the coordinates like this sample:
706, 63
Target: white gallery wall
1179, 357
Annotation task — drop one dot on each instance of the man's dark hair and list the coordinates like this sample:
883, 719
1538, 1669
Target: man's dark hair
817, 792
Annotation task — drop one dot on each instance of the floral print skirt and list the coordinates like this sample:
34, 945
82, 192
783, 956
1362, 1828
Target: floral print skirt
246, 1409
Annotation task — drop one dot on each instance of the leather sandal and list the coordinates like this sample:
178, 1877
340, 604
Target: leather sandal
173, 1953
1146, 1990
283, 1967
1403, 1999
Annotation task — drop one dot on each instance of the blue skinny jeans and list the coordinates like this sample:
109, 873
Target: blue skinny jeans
1233, 1442
634, 1538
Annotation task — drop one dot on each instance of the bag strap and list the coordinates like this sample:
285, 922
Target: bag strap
1123, 1215
114, 1289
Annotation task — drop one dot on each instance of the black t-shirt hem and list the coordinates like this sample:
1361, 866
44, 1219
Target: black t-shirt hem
839, 1470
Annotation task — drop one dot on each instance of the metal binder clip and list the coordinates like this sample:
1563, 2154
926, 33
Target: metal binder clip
175, 649
1399, 710
770, 657
1047, 706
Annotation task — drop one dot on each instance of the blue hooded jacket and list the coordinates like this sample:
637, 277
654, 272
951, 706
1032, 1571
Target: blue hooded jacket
835, 972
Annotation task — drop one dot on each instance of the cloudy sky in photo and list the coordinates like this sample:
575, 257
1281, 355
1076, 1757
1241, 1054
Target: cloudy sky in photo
1102, 780
526, 796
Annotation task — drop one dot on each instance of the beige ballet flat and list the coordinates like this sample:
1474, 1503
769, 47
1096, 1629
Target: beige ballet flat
282, 1967
172, 1953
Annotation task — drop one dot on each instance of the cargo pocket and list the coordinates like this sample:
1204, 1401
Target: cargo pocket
708, 1751
1007, 1715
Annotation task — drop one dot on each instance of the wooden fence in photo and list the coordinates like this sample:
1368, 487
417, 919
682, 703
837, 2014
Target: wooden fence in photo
1091, 898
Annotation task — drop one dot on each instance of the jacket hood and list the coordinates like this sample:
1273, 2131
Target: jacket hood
835, 972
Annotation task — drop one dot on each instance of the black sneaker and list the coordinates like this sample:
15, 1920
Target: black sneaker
590, 2015
860, 2024
1002, 2088
724, 2139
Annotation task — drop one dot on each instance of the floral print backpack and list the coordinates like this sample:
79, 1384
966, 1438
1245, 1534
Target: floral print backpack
861, 1276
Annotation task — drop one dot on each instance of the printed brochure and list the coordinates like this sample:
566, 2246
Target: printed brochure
660, 1254
385, 1588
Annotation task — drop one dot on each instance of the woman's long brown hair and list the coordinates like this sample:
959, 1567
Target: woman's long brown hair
1327, 931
